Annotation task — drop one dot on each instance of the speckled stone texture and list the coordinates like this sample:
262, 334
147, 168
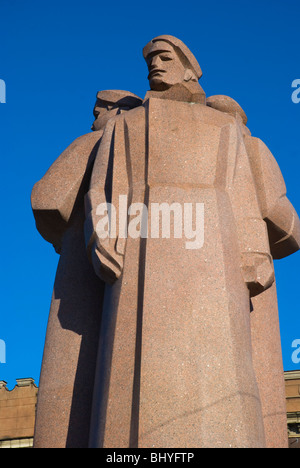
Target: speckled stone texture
284, 233
67, 377
189, 351
267, 360
68, 370
187, 343
193, 354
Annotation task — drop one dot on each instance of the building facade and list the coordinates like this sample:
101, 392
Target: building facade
17, 414
292, 386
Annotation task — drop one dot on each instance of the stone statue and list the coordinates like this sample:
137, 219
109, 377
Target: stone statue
68, 370
283, 231
184, 212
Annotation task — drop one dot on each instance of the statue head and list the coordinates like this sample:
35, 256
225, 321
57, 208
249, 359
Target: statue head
170, 62
110, 103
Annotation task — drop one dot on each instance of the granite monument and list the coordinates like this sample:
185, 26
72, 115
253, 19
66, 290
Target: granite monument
163, 329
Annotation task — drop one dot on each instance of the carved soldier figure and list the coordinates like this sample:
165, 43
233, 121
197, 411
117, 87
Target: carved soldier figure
68, 369
283, 230
175, 364
179, 354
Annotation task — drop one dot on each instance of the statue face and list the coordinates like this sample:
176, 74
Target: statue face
165, 67
103, 112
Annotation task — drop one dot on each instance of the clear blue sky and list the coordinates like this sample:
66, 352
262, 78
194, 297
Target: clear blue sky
55, 56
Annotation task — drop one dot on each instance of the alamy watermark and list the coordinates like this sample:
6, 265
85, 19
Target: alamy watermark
159, 220
296, 353
2, 92
296, 93
2, 352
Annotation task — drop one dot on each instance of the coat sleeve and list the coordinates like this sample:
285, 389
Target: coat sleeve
279, 214
105, 248
256, 261
55, 196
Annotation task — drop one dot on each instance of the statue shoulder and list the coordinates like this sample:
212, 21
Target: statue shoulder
85, 142
227, 105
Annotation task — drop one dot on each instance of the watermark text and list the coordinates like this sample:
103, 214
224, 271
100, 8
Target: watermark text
296, 93
2, 352
296, 353
159, 220
2, 92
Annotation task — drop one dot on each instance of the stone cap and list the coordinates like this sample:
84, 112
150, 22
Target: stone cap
178, 45
25, 382
117, 98
3, 384
292, 375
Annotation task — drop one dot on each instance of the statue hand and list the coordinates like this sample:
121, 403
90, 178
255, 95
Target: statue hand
107, 262
258, 272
